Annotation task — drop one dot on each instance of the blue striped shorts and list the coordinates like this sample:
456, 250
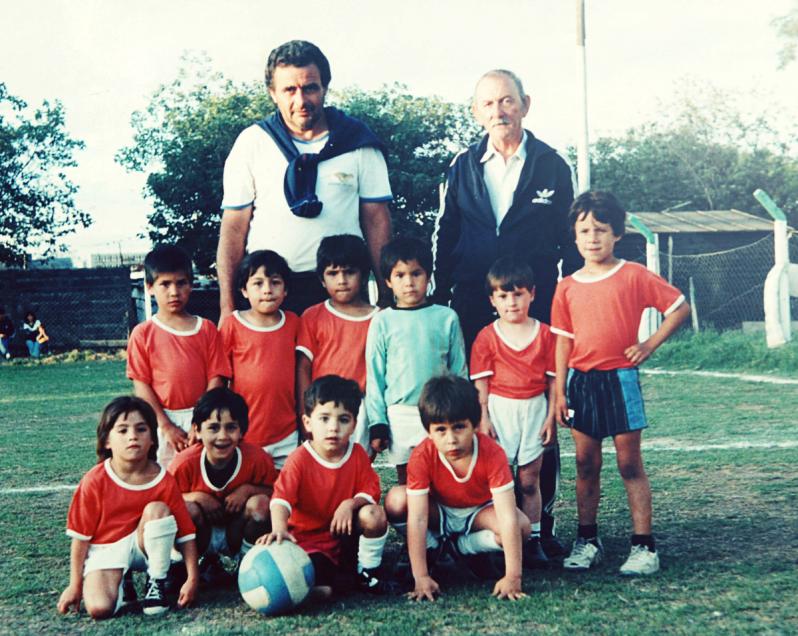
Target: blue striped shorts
606, 403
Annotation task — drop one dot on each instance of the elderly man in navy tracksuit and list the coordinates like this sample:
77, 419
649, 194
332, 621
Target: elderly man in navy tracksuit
506, 195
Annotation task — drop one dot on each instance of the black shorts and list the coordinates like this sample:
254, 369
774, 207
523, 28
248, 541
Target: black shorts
606, 403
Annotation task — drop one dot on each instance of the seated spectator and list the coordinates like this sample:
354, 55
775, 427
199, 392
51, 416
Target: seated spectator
6, 331
34, 333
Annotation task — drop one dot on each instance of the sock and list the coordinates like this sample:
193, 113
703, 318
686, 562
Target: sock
477, 542
369, 552
589, 532
401, 528
246, 546
159, 536
646, 540
534, 533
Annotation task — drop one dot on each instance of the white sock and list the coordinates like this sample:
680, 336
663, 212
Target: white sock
246, 546
477, 542
535, 532
369, 551
159, 536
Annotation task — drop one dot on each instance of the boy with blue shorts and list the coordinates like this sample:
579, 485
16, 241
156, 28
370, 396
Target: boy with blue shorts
596, 314
407, 344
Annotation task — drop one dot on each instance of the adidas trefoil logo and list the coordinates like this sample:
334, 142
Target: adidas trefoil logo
544, 197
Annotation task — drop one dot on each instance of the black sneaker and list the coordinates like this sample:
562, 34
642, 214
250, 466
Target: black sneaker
485, 565
155, 602
534, 557
213, 574
373, 581
554, 549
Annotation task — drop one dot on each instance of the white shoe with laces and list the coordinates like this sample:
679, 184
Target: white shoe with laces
584, 554
641, 561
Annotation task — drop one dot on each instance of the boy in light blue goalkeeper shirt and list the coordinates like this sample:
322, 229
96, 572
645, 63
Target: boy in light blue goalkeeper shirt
407, 344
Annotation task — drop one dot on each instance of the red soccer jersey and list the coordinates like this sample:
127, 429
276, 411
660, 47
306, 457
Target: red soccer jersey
177, 364
513, 373
105, 509
253, 466
428, 472
334, 342
602, 315
312, 489
264, 369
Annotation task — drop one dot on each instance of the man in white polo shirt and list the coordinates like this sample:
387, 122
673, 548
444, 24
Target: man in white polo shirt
304, 173
506, 195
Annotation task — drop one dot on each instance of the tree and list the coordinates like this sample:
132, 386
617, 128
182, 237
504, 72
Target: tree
707, 151
37, 207
185, 134
787, 28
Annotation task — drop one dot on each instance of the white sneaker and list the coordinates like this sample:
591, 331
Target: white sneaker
641, 561
583, 555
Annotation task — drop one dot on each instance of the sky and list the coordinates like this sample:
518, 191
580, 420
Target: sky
105, 58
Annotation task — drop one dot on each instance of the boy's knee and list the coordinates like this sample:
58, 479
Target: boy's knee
100, 609
588, 466
396, 504
631, 470
372, 518
257, 508
155, 510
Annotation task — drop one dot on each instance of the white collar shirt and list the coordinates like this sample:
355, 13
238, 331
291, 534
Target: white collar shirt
501, 177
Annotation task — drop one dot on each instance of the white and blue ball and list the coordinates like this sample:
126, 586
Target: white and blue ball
274, 579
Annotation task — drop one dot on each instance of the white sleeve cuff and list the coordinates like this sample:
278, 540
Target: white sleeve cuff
77, 535
507, 486
185, 538
416, 493
366, 496
306, 351
679, 301
481, 374
560, 332
280, 502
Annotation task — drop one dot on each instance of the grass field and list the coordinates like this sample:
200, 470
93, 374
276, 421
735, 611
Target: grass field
726, 515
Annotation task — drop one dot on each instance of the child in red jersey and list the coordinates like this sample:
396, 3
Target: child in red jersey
332, 337
174, 357
328, 490
126, 513
226, 483
512, 366
459, 489
261, 345
596, 314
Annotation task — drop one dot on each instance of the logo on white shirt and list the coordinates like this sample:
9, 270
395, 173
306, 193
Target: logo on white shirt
544, 197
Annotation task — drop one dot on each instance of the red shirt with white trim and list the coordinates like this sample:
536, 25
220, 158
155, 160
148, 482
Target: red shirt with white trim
512, 372
602, 315
177, 364
335, 342
253, 466
264, 369
312, 489
429, 472
105, 509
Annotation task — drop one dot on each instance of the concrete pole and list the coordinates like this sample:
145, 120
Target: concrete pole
582, 147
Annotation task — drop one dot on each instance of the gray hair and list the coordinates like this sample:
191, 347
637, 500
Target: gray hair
501, 72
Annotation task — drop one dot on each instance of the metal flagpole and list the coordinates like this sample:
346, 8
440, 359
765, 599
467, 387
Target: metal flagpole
582, 148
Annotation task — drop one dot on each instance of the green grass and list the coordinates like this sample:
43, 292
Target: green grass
725, 523
726, 351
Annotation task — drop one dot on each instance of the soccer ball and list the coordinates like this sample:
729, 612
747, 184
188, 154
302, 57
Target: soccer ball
275, 578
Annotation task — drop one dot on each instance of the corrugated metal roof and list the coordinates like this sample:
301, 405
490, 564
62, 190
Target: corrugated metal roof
702, 221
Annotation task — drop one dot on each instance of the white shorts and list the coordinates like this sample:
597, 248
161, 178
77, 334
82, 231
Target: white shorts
180, 418
518, 424
407, 432
457, 521
124, 555
281, 449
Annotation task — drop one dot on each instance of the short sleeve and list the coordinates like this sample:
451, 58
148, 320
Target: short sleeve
482, 355
306, 341
418, 472
368, 482
174, 499
560, 315
661, 294
499, 476
548, 350
373, 180
218, 362
265, 474
286, 488
138, 358
84, 511
238, 181
181, 470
